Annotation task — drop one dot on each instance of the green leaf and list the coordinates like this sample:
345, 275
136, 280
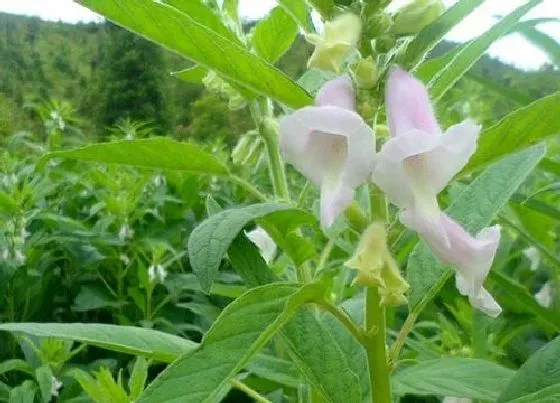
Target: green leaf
539, 375
520, 129
475, 208
243, 328
15, 365
323, 7
281, 226
536, 205
7, 204
203, 15
24, 393
312, 80
518, 293
320, 357
248, 262
318, 352
297, 10
352, 350
542, 41
94, 297
191, 75
458, 377
157, 152
44, 377
274, 34
230, 8
182, 34
138, 378
550, 165
505, 91
471, 52
274, 369
432, 34
210, 241
125, 339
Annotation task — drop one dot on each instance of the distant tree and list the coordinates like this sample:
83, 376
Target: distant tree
132, 80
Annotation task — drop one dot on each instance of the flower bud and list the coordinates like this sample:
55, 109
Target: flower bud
248, 149
216, 84
378, 24
377, 267
340, 36
385, 43
364, 72
414, 16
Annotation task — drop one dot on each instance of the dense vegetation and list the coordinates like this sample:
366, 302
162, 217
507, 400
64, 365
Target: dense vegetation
102, 186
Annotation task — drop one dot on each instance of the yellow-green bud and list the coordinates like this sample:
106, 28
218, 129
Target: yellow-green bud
377, 267
378, 24
216, 84
414, 16
340, 36
385, 43
364, 72
248, 149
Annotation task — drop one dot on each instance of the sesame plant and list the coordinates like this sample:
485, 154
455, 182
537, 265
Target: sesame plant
376, 260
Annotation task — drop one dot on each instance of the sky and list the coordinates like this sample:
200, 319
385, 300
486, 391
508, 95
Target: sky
513, 49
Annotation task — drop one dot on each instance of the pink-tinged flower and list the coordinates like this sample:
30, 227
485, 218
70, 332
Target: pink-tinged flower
331, 145
415, 165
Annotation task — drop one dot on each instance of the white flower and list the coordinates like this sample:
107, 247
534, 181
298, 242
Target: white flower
331, 145
56, 385
534, 257
125, 232
264, 242
125, 259
414, 166
159, 180
545, 295
157, 273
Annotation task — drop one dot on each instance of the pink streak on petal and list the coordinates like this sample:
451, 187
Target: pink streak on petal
337, 92
408, 105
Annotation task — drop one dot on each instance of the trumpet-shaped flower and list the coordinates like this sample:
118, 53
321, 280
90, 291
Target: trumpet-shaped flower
331, 145
339, 37
415, 165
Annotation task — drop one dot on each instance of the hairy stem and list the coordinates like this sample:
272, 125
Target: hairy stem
248, 187
380, 382
269, 133
344, 319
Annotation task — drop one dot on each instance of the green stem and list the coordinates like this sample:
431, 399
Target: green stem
269, 133
411, 319
248, 187
344, 319
325, 256
248, 391
380, 383
278, 173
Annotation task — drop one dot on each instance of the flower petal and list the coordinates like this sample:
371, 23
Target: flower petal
457, 146
408, 105
264, 242
335, 197
390, 172
333, 147
471, 257
337, 92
